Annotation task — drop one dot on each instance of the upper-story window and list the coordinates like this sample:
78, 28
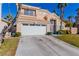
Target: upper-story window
29, 12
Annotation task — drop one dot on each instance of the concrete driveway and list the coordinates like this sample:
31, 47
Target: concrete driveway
45, 46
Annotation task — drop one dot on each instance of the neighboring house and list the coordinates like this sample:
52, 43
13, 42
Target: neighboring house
36, 21
2, 24
77, 23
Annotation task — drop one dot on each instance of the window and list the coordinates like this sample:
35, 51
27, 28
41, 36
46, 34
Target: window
32, 24
25, 24
43, 25
29, 12
37, 24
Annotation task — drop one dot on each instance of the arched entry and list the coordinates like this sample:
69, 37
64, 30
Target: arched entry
53, 26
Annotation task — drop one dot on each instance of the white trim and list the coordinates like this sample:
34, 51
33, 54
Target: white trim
33, 30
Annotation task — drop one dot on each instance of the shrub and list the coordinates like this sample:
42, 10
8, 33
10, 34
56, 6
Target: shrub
49, 33
63, 32
68, 32
17, 34
13, 34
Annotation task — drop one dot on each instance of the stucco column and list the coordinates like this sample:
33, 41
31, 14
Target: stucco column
48, 26
18, 28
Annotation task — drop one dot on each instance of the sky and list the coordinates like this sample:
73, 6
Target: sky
0, 11
70, 10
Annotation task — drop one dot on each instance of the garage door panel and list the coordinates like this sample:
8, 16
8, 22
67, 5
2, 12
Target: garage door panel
33, 30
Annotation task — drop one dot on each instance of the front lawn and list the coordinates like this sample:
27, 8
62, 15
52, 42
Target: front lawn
72, 39
9, 47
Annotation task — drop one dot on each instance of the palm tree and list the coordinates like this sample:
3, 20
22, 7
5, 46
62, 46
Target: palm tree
54, 11
11, 21
18, 8
61, 6
70, 23
5, 29
77, 11
77, 19
8, 19
70, 17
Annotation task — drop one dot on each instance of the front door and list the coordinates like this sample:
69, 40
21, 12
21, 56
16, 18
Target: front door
53, 26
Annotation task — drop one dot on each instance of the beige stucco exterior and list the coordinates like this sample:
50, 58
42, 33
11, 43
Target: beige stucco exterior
42, 16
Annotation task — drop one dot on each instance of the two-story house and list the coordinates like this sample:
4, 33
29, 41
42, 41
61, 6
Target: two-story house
36, 21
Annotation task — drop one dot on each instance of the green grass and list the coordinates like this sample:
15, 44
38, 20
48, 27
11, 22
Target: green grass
9, 47
71, 39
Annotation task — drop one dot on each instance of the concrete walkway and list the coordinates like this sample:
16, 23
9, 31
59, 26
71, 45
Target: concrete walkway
45, 46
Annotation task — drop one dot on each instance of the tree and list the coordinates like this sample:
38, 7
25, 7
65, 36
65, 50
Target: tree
70, 23
8, 18
54, 11
61, 6
70, 18
11, 21
10, 24
74, 24
77, 19
77, 11
18, 9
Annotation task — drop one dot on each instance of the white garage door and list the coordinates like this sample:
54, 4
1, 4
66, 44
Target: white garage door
33, 30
